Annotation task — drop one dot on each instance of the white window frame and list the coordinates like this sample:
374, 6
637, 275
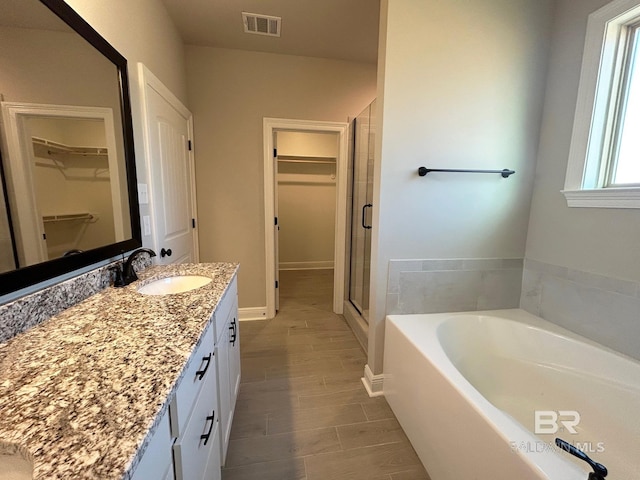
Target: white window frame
599, 84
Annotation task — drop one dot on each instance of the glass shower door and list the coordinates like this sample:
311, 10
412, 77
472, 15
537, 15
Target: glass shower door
363, 158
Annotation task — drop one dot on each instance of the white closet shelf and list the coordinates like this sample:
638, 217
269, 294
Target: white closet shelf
67, 217
57, 147
306, 159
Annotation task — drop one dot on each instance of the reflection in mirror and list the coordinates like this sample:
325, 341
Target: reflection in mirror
66, 178
68, 174
72, 185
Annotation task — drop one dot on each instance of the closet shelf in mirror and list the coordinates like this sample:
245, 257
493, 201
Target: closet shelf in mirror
69, 217
53, 148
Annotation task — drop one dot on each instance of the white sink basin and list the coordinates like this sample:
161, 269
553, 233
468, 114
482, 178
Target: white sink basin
13, 466
177, 284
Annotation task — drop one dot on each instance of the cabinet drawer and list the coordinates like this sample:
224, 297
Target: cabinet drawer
201, 370
190, 452
226, 305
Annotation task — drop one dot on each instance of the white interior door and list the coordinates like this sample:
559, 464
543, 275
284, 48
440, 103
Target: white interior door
167, 125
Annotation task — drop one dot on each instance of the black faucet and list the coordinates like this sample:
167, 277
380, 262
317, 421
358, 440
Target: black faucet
599, 470
126, 274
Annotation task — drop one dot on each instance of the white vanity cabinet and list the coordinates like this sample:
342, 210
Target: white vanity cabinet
228, 358
191, 440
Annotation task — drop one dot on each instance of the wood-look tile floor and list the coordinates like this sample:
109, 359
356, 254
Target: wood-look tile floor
302, 412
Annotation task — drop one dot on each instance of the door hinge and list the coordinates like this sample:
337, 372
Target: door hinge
193, 223
275, 221
189, 144
276, 283
275, 152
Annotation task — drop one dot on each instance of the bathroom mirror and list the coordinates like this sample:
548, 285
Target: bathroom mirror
69, 197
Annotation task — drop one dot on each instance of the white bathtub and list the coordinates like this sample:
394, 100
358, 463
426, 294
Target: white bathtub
465, 388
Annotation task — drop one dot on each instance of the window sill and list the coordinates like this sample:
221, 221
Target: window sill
604, 198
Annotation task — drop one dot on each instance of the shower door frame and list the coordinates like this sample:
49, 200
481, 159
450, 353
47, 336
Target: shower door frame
358, 218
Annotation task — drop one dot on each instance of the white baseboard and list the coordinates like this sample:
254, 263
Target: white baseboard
252, 313
372, 383
323, 265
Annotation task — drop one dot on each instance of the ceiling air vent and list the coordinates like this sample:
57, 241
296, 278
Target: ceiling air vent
261, 24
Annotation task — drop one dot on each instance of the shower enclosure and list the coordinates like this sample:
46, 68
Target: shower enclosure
363, 157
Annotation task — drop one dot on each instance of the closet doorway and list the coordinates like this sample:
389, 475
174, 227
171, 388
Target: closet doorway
305, 202
306, 196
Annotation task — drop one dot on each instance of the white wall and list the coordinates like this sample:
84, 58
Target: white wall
307, 200
141, 31
41, 66
307, 144
460, 86
582, 268
603, 241
230, 92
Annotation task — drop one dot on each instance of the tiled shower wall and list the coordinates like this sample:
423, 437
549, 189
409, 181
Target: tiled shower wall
604, 309
453, 285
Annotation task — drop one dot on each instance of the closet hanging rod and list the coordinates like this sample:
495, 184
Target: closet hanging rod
505, 173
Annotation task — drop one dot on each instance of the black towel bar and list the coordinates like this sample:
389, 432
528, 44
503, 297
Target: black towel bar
422, 171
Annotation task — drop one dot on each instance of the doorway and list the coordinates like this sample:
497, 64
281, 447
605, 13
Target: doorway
314, 169
306, 196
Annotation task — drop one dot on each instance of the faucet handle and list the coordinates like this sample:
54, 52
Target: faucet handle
599, 470
118, 275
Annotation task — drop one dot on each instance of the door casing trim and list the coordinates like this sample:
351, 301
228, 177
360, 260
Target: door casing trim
271, 125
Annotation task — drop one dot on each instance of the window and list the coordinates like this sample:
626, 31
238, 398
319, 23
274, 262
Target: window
604, 159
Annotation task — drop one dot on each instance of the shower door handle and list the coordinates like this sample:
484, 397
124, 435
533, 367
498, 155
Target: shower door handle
364, 214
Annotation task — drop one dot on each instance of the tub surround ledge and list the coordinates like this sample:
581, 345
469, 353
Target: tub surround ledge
82, 391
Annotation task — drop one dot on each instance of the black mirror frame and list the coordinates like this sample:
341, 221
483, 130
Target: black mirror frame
33, 274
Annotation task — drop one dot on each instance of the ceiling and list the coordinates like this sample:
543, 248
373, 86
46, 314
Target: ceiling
337, 29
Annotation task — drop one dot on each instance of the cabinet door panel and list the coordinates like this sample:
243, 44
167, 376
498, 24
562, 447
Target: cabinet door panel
222, 358
213, 470
157, 457
224, 308
169, 475
234, 355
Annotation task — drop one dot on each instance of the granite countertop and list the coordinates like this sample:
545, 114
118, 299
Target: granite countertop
80, 393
